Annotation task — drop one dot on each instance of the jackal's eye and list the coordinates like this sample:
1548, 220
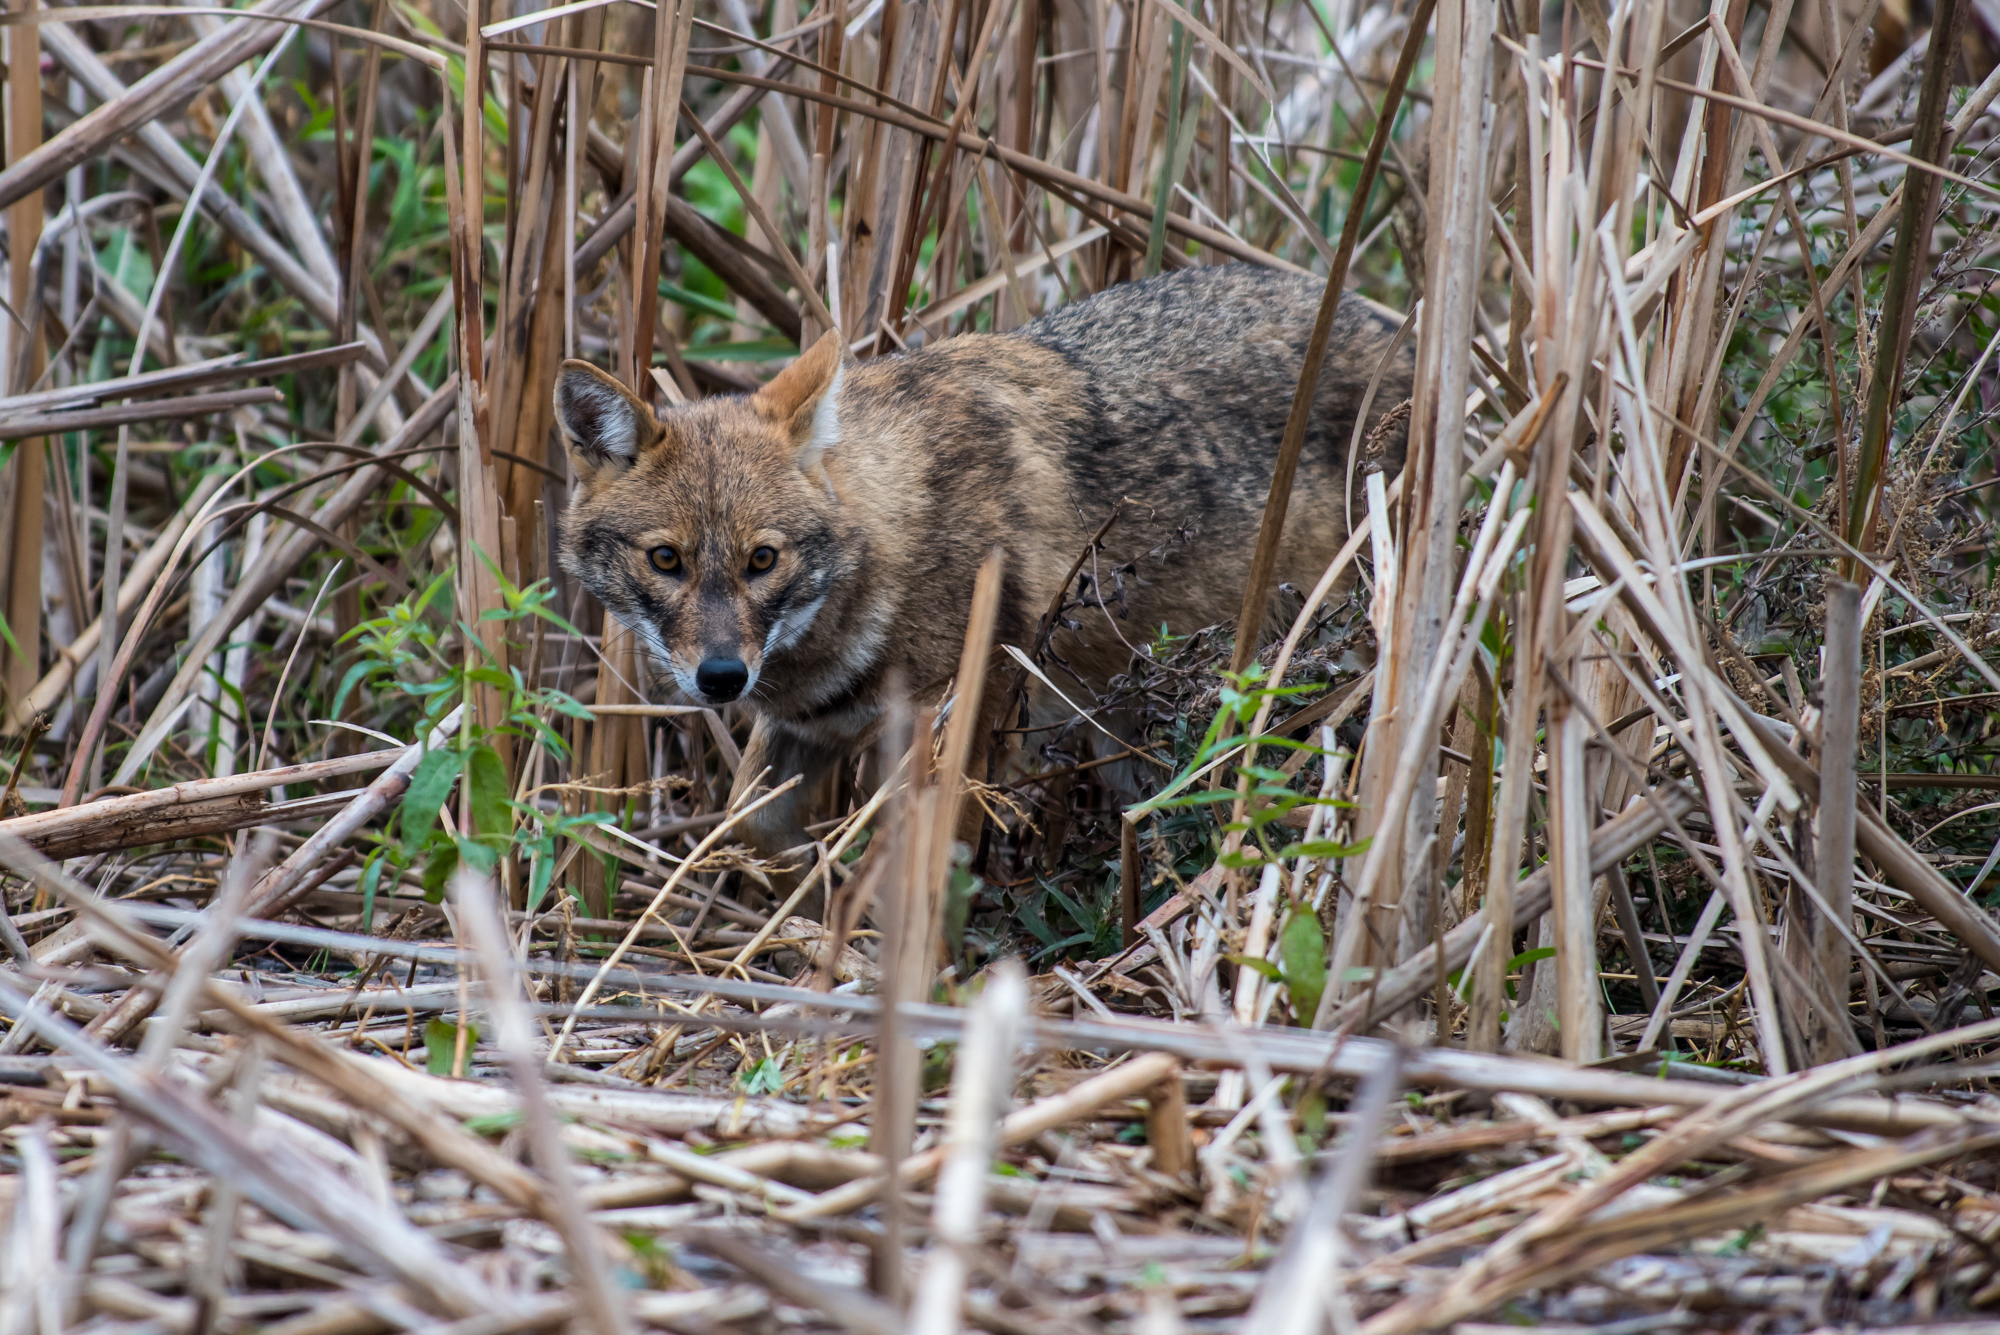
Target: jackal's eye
666, 560
762, 559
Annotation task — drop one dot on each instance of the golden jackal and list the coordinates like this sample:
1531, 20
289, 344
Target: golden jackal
799, 547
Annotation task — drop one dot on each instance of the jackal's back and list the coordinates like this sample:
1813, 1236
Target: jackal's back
1184, 383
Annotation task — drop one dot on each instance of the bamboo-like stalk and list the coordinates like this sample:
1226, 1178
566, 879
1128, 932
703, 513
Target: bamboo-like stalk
21, 579
1427, 532
600, 1296
1899, 298
979, 1098
1833, 849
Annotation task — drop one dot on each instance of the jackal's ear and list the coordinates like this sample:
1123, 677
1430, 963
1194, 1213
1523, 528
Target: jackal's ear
605, 425
801, 400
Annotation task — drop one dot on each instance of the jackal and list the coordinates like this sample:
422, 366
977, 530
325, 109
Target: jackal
802, 546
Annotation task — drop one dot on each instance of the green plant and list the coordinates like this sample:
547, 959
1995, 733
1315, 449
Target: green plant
413, 653
1270, 791
763, 1076
1301, 965
441, 1044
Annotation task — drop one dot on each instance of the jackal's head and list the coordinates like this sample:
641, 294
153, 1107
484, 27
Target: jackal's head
712, 531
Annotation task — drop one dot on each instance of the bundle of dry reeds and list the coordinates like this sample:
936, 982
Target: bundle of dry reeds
1578, 917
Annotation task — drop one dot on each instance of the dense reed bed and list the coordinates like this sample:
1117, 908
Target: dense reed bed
1574, 911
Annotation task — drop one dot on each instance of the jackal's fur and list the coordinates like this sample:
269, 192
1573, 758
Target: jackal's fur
875, 490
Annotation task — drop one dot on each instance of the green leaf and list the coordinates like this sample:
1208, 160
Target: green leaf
1033, 918
1327, 848
1268, 774
486, 780
564, 704
429, 787
347, 683
1255, 965
371, 874
541, 873
1206, 797
441, 1044
697, 301
477, 854
1302, 961
763, 1076
1524, 959
757, 350
494, 1124
444, 861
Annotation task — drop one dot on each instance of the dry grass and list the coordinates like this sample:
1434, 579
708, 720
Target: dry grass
378, 958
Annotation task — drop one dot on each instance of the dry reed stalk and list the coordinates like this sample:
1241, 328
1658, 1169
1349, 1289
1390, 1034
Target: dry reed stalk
1153, 1071
968, 732
772, 234
599, 1299
113, 926
170, 84
311, 276
1305, 1282
1611, 842
708, 841
282, 560
21, 578
278, 1177
196, 405
1056, 179
1511, 1265
1833, 849
200, 806
1368, 935
981, 1089
1428, 518
672, 29
73, 657
33, 1298
1913, 240
1291, 1051
275, 889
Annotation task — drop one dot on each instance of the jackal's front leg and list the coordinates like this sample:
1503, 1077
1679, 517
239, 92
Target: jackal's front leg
773, 755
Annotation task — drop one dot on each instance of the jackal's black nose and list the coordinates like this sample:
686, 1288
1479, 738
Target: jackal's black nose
721, 679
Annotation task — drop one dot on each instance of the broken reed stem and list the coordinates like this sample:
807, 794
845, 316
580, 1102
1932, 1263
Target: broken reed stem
965, 730
1833, 848
982, 1083
21, 576
599, 1295
892, 1103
